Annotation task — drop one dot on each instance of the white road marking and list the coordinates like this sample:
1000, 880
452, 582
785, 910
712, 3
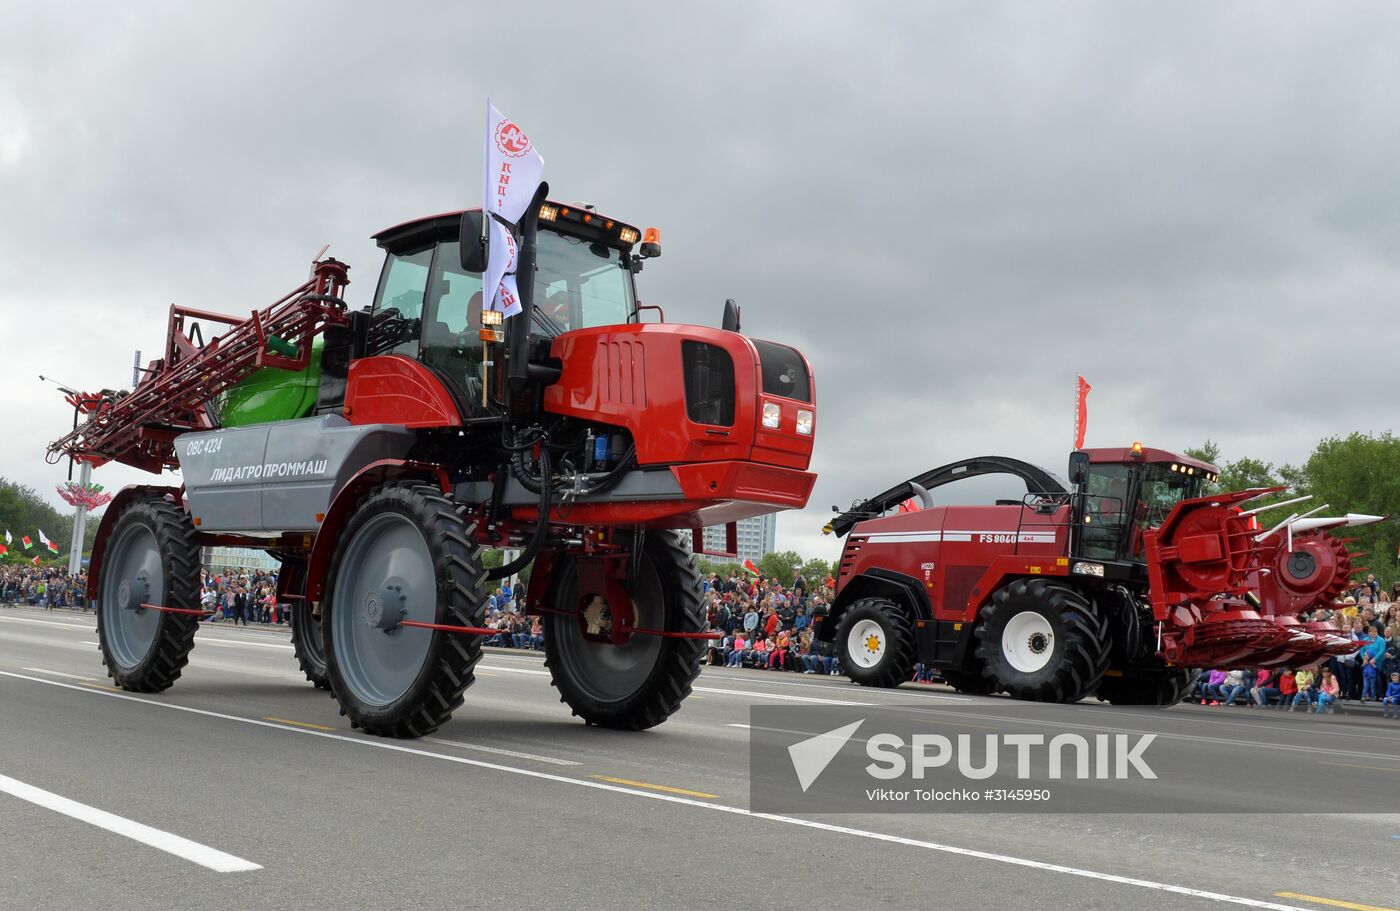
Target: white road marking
514, 670
229, 643
708, 689
192, 851
744, 726
1008, 859
786, 697
500, 752
78, 626
44, 670
748, 678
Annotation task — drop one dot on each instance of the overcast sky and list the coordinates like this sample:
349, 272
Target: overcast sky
951, 208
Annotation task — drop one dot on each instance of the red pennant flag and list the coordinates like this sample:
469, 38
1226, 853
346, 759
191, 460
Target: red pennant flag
35, 561
748, 565
1081, 411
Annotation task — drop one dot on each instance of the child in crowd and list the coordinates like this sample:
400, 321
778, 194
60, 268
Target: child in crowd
1369, 675
1327, 691
1304, 681
1391, 702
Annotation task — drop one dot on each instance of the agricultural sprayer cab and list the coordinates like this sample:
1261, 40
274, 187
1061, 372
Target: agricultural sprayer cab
376, 452
1119, 583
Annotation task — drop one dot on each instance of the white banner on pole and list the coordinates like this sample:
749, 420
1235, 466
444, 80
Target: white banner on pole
514, 170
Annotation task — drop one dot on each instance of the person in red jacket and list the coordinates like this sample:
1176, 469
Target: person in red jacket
1287, 688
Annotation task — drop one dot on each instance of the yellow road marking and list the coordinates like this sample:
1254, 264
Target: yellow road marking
1333, 902
654, 787
1352, 765
300, 724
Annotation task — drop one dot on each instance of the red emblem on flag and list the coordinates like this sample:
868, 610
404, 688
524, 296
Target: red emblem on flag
511, 140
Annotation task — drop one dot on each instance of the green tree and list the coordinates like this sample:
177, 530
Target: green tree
780, 565
815, 571
1359, 473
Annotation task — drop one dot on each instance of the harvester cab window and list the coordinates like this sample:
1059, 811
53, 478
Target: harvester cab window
398, 307
1161, 489
452, 322
581, 284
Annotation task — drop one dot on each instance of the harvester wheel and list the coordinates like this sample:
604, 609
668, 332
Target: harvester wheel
153, 558
640, 683
308, 639
876, 640
1042, 642
1161, 689
405, 554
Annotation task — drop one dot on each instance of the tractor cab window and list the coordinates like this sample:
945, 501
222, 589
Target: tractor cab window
452, 323
398, 304
580, 284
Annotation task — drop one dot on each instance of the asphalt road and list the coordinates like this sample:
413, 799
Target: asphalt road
242, 787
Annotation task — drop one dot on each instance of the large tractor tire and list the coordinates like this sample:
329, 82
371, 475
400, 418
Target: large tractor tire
405, 554
640, 683
1042, 642
876, 642
152, 558
308, 639
309, 645
1160, 689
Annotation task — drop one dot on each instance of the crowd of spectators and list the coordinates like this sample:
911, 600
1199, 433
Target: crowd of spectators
43, 586
241, 596
505, 612
1369, 617
767, 625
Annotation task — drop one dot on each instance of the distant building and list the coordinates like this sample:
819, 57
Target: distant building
238, 559
757, 537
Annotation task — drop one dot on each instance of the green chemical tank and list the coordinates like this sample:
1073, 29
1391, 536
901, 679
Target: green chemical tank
271, 394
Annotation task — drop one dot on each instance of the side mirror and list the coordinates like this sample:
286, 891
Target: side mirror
472, 242
730, 322
1078, 467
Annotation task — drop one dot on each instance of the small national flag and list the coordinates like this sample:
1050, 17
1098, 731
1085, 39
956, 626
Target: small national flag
3, 550
35, 561
748, 566
8, 539
26, 542
51, 545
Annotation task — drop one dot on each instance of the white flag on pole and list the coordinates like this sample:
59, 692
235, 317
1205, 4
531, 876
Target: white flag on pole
514, 169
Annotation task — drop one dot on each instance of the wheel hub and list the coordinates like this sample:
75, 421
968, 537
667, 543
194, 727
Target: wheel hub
1028, 642
386, 606
132, 593
597, 617
865, 643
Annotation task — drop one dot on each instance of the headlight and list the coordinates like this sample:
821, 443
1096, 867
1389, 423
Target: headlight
772, 415
804, 422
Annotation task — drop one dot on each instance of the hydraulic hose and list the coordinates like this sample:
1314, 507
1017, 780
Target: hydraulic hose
546, 493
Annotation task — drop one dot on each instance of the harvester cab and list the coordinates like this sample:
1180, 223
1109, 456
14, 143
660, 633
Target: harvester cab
376, 453
1118, 584
1122, 493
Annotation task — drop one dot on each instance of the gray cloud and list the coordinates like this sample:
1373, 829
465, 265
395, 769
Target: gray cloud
951, 207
